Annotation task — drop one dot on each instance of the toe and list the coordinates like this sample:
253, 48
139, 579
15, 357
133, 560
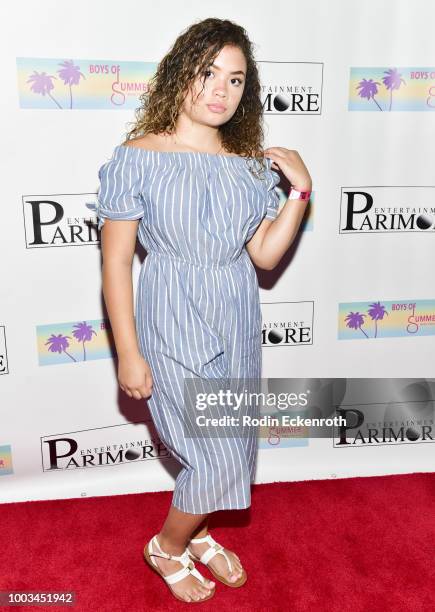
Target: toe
237, 569
237, 573
201, 593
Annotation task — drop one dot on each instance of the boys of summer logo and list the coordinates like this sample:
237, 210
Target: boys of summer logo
384, 209
72, 342
287, 323
391, 89
6, 460
102, 447
51, 220
282, 436
291, 88
310, 398
279, 435
387, 319
3, 352
56, 84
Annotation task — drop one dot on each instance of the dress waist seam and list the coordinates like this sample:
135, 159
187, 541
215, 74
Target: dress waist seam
159, 254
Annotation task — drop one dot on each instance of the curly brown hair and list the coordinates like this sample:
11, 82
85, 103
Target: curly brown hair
192, 52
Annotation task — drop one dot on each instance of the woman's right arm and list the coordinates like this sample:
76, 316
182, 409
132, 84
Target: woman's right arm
118, 241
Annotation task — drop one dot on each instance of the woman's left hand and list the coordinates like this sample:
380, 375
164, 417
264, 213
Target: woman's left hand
291, 165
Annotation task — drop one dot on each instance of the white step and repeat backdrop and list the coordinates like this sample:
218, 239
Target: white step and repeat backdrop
349, 85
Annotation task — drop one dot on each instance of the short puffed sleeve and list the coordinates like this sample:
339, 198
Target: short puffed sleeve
272, 179
119, 194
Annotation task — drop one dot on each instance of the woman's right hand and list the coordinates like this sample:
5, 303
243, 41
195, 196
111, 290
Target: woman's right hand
135, 377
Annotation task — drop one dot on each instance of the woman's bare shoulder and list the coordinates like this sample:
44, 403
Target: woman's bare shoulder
149, 141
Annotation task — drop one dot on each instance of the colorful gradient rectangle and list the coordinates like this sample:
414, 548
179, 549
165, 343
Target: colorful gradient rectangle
386, 319
66, 84
281, 436
6, 460
381, 89
73, 342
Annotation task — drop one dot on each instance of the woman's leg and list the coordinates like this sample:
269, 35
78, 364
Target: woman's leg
177, 529
173, 539
218, 562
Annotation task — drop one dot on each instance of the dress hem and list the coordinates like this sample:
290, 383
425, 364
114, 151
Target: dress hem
215, 509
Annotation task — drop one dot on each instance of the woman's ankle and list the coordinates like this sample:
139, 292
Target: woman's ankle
170, 547
201, 533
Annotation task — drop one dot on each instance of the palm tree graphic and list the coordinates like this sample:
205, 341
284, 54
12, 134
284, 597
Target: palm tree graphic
392, 81
70, 75
83, 334
377, 312
42, 83
59, 344
369, 88
355, 320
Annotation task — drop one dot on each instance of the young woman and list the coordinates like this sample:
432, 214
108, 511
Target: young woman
193, 180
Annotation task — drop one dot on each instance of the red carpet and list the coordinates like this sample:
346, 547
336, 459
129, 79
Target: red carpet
357, 544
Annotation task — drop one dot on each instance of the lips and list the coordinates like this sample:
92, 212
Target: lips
216, 108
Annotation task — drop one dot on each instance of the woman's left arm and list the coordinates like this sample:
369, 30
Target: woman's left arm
273, 238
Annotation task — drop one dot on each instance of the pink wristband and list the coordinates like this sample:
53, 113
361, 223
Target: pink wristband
295, 194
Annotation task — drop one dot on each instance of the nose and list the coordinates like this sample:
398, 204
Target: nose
219, 93
220, 89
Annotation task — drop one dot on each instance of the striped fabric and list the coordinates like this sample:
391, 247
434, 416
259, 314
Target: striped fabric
197, 301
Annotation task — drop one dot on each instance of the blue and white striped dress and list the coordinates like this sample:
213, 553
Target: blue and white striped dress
197, 301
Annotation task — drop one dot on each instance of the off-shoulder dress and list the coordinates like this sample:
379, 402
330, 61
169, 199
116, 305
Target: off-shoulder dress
197, 309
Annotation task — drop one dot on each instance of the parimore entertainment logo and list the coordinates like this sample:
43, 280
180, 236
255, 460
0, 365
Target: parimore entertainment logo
386, 210
102, 447
54, 220
287, 323
4, 367
291, 88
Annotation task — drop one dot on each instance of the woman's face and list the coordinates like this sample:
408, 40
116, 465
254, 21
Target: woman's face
216, 93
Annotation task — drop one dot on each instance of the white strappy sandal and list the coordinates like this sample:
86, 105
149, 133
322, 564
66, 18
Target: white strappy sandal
188, 568
215, 549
